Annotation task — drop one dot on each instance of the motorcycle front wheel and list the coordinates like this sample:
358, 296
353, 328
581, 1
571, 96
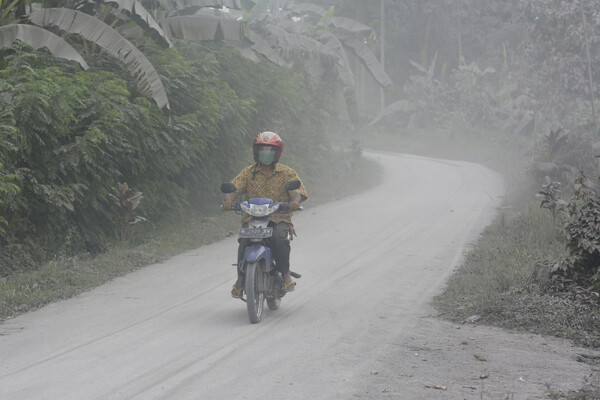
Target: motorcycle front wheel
255, 297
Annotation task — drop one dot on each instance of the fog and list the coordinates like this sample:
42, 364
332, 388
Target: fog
461, 104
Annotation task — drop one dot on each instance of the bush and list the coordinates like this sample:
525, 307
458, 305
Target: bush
582, 232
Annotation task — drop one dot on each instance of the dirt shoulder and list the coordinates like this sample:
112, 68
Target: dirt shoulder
443, 360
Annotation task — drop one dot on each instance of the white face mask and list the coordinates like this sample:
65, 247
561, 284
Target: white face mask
266, 155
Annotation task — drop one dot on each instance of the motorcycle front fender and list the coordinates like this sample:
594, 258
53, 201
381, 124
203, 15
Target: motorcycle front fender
258, 252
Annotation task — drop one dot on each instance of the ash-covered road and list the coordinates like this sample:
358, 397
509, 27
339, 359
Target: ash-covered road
357, 326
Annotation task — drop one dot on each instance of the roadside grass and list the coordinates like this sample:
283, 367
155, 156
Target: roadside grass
503, 281
65, 277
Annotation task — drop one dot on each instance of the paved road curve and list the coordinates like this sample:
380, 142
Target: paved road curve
371, 264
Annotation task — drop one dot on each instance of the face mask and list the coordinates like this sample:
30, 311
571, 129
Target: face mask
266, 156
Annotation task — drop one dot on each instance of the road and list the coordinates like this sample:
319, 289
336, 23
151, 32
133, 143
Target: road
359, 324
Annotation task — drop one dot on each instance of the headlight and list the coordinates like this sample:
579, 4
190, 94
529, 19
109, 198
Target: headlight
256, 210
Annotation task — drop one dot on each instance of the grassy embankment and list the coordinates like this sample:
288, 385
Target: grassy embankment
62, 278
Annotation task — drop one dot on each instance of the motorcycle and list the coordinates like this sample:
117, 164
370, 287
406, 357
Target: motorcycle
263, 280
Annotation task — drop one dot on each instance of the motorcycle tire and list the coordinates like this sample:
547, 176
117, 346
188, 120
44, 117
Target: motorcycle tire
255, 297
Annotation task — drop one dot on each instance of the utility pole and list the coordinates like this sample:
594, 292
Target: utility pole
460, 57
382, 51
589, 65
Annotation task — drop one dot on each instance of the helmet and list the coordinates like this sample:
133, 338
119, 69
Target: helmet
267, 139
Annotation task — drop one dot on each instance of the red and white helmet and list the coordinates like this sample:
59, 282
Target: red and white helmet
268, 139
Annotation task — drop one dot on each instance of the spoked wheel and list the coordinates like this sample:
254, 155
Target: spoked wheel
255, 297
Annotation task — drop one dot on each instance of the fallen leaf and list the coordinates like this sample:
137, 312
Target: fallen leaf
473, 318
436, 387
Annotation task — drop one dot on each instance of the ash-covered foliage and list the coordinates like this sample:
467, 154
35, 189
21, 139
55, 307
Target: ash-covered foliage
68, 137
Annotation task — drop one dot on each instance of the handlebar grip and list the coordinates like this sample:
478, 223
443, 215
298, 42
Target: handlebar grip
234, 206
286, 207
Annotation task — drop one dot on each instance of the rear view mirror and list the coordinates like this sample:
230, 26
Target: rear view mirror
293, 185
228, 187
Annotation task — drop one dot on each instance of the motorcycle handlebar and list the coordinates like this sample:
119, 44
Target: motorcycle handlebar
286, 207
282, 208
234, 206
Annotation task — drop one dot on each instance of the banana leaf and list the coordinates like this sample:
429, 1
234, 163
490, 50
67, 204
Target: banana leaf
350, 25
183, 4
204, 27
342, 66
303, 8
111, 41
137, 12
37, 38
400, 106
364, 54
261, 46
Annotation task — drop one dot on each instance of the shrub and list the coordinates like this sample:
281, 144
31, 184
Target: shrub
582, 231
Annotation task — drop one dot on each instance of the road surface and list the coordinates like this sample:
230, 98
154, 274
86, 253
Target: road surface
359, 324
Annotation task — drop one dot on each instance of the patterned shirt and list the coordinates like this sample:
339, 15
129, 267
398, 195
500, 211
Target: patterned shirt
253, 182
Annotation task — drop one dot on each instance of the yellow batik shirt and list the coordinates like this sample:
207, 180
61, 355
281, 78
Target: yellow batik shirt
252, 182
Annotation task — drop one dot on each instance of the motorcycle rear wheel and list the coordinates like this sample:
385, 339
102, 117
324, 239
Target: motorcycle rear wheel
255, 297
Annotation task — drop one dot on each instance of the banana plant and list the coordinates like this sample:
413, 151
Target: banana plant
206, 27
134, 10
82, 18
111, 41
17, 5
284, 33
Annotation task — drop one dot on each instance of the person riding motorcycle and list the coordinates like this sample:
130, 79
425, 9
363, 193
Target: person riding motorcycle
267, 178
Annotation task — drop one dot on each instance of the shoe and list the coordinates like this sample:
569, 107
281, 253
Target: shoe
237, 293
290, 286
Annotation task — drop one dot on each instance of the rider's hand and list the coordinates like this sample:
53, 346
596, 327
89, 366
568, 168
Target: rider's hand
226, 205
227, 199
294, 206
